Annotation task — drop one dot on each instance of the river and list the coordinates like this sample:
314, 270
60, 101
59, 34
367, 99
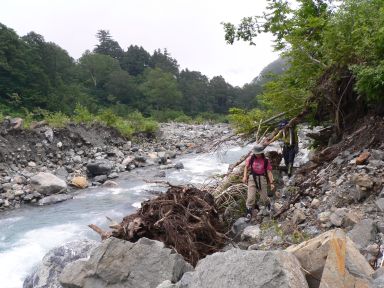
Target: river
28, 233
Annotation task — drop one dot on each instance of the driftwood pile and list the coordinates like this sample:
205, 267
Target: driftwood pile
183, 218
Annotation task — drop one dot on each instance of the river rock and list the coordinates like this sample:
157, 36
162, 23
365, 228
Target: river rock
80, 182
100, 178
110, 184
46, 274
99, 167
47, 184
52, 199
118, 263
243, 268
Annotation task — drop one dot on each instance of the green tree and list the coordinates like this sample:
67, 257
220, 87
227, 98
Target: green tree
160, 90
135, 60
108, 46
194, 88
165, 62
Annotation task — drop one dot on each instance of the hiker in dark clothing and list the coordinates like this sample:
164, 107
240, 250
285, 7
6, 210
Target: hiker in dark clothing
289, 136
260, 170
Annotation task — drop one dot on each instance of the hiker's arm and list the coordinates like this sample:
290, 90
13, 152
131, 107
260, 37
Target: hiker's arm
270, 177
245, 176
278, 135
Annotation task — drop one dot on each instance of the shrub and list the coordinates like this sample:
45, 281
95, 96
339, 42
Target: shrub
107, 117
82, 115
124, 127
57, 119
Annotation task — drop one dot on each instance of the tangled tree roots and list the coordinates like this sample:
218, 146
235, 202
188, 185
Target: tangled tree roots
183, 218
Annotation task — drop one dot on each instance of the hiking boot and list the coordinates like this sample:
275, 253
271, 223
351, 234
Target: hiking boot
249, 214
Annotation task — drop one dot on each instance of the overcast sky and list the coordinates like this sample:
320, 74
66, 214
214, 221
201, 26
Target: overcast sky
189, 29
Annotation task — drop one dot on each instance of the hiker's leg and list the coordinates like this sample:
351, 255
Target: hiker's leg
251, 195
291, 159
286, 155
263, 191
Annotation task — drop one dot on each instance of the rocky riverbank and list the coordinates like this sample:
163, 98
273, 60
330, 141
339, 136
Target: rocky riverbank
45, 165
326, 231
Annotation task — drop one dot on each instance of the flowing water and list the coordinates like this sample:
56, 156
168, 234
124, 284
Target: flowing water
27, 234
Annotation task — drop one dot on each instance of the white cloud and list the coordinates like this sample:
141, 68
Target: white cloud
189, 29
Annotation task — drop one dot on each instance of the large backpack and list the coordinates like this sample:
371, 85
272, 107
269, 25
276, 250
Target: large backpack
254, 174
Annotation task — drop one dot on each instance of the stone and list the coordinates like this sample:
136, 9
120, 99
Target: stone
47, 184
100, 178
246, 269
167, 284
298, 216
251, 233
350, 219
113, 175
337, 217
345, 260
324, 216
110, 184
363, 180
77, 159
18, 179
362, 159
239, 225
179, 166
99, 167
315, 203
46, 274
118, 263
80, 182
363, 233
53, 199
380, 204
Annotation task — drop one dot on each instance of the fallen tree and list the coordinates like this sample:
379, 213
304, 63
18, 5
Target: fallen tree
183, 218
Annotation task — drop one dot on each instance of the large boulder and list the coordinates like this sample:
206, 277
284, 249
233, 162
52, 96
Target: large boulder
119, 263
47, 184
240, 268
47, 273
332, 256
99, 167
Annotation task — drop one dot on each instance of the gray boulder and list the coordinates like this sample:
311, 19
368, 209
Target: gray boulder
46, 274
240, 268
99, 167
47, 184
118, 263
52, 199
363, 233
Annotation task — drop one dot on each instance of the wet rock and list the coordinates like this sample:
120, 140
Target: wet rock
113, 175
100, 178
236, 268
119, 263
99, 167
53, 199
179, 166
110, 184
46, 274
47, 184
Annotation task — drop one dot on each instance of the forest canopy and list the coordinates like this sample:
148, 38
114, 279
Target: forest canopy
40, 75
